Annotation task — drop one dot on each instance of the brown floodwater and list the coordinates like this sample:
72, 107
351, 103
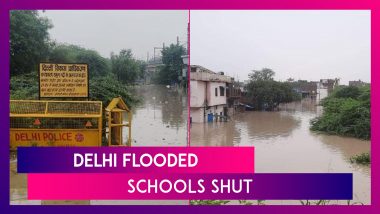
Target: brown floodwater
160, 119
284, 143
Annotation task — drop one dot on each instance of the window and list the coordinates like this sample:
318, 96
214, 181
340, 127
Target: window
221, 90
216, 92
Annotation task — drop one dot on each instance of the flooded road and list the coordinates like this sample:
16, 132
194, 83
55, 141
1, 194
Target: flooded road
160, 119
284, 143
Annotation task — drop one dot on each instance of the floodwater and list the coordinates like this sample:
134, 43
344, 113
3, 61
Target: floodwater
160, 119
283, 143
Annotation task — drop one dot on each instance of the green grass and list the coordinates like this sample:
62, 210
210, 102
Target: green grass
327, 202
208, 202
363, 159
224, 202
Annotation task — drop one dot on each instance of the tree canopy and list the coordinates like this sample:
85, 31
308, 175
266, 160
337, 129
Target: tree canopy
264, 74
265, 93
126, 68
66, 53
172, 68
29, 40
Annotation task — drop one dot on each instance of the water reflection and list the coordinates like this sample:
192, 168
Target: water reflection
214, 134
160, 118
284, 143
251, 126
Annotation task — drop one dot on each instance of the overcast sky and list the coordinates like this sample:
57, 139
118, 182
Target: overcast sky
300, 44
113, 30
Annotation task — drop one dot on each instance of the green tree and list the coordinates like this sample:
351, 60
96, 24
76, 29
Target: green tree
267, 94
64, 53
142, 68
264, 74
29, 40
125, 67
172, 68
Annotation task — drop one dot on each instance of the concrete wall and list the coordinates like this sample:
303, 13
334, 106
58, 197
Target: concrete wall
200, 115
208, 76
213, 100
322, 93
198, 93
197, 115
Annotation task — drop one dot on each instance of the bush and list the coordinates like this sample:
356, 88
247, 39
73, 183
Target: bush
103, 88
24, 87
364, 159
346, 112
208, 202
107, 87
347, 92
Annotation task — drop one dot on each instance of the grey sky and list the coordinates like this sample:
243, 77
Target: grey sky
301, 44
113, 30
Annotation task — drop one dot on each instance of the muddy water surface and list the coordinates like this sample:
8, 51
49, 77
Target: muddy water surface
161, 117
284, 143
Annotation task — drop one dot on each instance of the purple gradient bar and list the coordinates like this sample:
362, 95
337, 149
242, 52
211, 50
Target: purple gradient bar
61, 159
297, 186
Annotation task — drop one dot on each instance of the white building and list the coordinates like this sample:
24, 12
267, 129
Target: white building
208, 101
325, 87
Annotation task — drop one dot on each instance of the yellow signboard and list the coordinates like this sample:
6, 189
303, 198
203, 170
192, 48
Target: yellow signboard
51, 137
63, 80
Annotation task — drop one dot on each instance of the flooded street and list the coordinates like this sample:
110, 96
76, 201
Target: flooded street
284, 143
160, 119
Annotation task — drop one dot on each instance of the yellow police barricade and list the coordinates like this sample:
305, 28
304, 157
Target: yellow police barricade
116, 111
55, 123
